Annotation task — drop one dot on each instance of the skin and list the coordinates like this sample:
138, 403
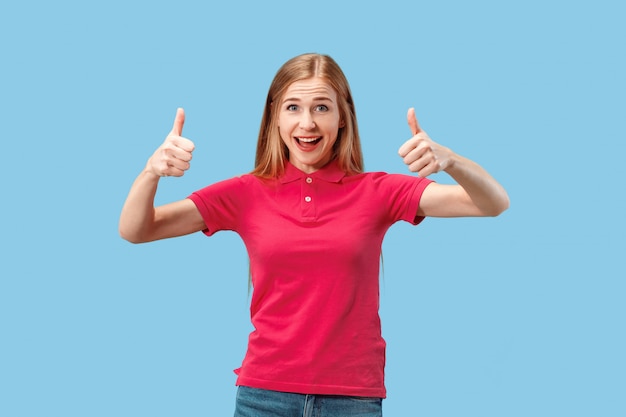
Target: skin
476, 193
309, 121
140, 221
309, 111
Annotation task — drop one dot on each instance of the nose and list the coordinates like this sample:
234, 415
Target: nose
306, 121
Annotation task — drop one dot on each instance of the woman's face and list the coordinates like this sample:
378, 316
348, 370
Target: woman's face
309, 122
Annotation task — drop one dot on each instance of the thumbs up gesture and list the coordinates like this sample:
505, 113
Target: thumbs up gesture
421, 153
173, 156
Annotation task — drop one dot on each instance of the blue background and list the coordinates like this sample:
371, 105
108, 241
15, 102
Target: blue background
521, 315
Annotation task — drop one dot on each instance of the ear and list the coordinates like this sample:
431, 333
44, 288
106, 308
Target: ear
342, 124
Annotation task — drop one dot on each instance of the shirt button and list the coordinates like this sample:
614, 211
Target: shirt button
309, 180
307, 199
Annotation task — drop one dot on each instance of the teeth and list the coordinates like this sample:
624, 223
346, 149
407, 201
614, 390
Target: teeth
307, 140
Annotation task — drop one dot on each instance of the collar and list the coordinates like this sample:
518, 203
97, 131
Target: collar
329, 173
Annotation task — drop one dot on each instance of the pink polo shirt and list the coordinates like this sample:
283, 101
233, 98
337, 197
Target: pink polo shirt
314, 242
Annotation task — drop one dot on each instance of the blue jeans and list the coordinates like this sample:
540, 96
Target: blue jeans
254, 402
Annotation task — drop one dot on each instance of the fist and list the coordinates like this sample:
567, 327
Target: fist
420, 153
172, 158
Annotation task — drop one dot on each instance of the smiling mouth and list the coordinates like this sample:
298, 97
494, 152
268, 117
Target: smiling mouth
308, 140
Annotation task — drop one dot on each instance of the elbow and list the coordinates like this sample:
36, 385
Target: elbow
499, 207
132, 240
129, 235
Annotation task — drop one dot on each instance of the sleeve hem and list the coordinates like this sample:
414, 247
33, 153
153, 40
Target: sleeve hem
414, 202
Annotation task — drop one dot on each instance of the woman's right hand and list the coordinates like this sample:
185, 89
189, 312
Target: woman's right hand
173, 156
140, 221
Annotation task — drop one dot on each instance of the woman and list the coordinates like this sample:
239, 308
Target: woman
313, 224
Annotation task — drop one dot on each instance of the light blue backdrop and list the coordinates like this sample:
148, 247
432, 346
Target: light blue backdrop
521, 315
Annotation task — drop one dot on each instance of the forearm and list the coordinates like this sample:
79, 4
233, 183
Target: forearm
489, 197
137, 217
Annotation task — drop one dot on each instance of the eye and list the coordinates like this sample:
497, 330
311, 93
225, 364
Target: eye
321, 107
292, 107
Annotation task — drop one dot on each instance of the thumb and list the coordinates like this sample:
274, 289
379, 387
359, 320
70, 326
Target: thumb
413, 125
179, 121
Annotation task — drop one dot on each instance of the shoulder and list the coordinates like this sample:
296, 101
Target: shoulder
244, 180
236, 186
385, 179
390, 189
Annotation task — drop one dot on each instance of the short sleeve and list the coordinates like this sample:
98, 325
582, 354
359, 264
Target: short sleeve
220, 204
401, 195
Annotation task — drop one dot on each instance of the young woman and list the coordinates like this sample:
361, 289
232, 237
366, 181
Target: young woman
313, 224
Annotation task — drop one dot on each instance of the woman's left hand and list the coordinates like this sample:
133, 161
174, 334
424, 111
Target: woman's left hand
476, 193
421, 153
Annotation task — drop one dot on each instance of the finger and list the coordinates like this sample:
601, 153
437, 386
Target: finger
179, 121
425, 166
416, 152
183, 143
170, 167
412, 120
419, 167
172, 171
431, 168
405, 149
176, 154
178, 164
410, 146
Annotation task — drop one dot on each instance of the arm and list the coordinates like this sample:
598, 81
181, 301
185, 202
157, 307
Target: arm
476, 193
140, 221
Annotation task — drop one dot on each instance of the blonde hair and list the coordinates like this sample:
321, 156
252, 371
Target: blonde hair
271, 152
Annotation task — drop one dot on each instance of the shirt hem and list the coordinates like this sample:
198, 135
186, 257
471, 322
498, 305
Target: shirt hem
311, 389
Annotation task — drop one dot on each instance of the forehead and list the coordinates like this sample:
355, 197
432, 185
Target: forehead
310, 88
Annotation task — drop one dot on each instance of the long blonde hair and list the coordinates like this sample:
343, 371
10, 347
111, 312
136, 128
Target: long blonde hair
271, 152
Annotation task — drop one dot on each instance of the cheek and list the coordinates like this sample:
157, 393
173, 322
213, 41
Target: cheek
284, 137
335, 129
338, 123
282, 132
283, 125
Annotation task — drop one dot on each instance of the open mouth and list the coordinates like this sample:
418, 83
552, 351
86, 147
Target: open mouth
308, 141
